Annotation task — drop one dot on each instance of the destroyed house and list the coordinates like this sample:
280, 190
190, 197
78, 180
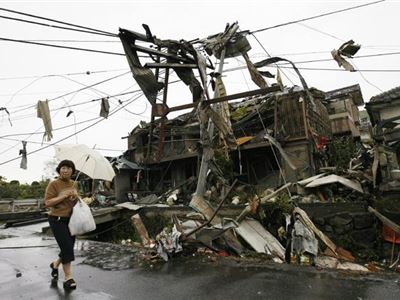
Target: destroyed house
296, 131
342, 105
384, 113
263, 137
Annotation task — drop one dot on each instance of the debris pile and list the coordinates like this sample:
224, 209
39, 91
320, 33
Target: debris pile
253, 175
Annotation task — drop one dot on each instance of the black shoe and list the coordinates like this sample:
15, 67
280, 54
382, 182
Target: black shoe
70, 284
54, 271
54, 283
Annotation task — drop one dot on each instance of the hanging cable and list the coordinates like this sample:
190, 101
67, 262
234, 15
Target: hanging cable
67, 137
273, 150
322, 32
54, 20
265, 50
57, 27
63, 47
282, 65
366, 80
65, 74
58, 110
358, 70
59, 128
343, 70
314, 17
76, 91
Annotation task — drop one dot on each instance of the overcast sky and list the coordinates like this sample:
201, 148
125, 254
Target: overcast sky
24, 67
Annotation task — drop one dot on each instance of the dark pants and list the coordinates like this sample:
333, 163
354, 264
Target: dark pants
65, 241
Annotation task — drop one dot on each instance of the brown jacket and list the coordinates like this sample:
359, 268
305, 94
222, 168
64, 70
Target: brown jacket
64, 208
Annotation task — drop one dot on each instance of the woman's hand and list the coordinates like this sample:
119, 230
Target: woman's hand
71, 194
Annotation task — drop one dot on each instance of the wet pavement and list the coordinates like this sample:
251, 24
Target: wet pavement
107, 271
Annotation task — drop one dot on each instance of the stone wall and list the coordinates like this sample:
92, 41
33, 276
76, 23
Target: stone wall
349, 225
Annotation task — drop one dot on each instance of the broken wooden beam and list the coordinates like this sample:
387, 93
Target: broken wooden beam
226, 98
160, 53
140, 229
385, 220
170, 65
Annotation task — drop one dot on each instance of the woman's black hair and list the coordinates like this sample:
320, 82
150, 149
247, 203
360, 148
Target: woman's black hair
65, 163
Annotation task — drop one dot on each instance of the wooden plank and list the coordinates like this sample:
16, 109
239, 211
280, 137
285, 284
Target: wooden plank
227, 98
385, 220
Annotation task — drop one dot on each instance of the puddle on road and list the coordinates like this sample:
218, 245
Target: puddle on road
105, 255
6, 236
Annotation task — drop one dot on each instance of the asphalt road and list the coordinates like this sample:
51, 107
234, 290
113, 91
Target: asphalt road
103, 271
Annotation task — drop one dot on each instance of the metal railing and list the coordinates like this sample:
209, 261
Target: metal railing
13, 203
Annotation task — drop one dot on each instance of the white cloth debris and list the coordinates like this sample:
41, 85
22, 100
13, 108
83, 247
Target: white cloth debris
168, 243
43, 112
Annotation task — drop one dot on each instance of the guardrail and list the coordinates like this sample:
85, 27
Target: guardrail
38, 203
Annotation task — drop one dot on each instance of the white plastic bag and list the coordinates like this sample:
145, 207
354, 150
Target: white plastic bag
82, 220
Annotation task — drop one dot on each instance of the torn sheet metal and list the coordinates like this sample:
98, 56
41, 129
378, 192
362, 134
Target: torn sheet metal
144, 77
349, 49
260, 239
234, 43
310, 179
353, 184
207, 235
273, 60
257, 78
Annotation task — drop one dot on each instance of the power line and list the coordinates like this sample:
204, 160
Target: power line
67, 137
65, 74
82, 103
335, 37
54, 26
314, 17
343, 70
265, 50
59, 22
76, 91
322, 32
360, 56
53, 20
63, 47
7, 136
282, 65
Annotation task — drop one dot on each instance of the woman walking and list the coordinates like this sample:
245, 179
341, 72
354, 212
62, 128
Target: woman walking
61, 196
